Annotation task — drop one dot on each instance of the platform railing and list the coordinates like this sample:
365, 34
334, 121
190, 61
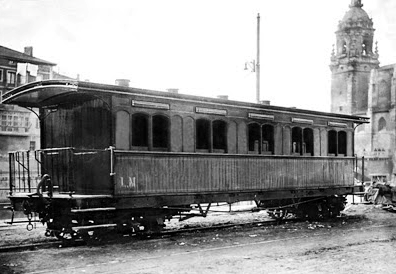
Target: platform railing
58, 163
71, 170
24, 173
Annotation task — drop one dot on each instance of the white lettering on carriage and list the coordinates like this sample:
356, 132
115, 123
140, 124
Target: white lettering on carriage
131, 182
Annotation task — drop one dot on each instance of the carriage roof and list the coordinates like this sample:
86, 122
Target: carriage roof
51, 93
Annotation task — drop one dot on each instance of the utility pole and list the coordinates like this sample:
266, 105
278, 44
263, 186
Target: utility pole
258, 61
255, 64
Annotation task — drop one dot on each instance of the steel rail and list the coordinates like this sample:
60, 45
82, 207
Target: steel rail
119, 237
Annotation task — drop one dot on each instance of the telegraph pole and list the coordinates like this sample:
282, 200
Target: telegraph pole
255, 64
258, 61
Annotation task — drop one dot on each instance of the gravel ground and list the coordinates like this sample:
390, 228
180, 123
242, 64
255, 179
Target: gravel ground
363, 242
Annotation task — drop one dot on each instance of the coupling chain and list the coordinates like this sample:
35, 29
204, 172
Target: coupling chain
29, 226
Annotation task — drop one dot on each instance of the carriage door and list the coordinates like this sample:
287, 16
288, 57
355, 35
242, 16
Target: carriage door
93, 137
85, 127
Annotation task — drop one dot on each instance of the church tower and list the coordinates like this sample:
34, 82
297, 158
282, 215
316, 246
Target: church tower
352, 60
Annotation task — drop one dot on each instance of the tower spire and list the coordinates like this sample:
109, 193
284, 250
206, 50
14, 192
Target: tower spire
353, 58
356, 3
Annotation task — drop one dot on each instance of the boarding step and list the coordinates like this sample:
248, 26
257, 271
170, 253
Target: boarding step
93, 227
96, 209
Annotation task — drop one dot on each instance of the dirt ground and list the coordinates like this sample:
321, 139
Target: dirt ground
363, 242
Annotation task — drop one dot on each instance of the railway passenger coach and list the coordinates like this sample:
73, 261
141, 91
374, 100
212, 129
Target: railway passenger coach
127, 158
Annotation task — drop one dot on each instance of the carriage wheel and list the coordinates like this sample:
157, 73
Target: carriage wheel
278, 214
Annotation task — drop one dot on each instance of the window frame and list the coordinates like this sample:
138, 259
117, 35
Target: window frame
165, 134
297, 141
263, 138
32, 145
342, 144
308, 140
339, 147
270, 143
140, 145
332, 146
11, 72
219, 136
381, 124
15, 121
254, 131
204, 130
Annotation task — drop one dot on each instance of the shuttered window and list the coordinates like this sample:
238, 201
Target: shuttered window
202, 130
139, 130
160, 132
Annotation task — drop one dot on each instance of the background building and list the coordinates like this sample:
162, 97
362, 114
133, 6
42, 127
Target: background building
359, 86
19, 127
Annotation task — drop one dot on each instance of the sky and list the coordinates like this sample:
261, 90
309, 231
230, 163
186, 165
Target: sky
197, 46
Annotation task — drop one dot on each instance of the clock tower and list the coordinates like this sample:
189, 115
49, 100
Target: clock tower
352, 59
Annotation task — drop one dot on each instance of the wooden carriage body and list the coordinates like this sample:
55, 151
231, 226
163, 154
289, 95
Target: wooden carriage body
153, 149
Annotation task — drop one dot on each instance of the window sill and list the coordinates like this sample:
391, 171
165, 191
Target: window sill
164, 149
202, 150
140, 148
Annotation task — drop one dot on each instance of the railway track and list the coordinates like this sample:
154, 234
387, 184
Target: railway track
117, 238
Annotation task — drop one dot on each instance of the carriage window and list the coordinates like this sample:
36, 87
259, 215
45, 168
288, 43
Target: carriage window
202, 134
254, 137
219, 135
139, 130
268, 139
332, 143
160, 131
342, 143
307, 146
297, 143
337, 143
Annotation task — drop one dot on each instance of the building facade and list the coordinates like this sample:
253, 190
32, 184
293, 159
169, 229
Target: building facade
360, 86
19, 127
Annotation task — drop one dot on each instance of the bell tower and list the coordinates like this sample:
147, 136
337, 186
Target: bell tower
352, 60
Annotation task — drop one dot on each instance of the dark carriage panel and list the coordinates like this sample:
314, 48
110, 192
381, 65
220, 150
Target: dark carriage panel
149, 173
81, 125
71, 171
78, 171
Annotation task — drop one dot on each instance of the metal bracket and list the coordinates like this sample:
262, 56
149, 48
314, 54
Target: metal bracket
204, 213
12, 216
111, 148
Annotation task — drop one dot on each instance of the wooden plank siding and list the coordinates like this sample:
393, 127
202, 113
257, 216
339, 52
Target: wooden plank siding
82, 126
140, 173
